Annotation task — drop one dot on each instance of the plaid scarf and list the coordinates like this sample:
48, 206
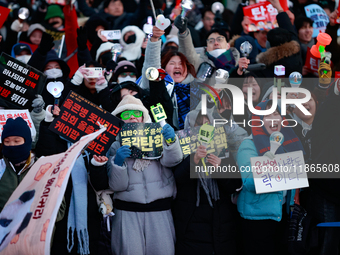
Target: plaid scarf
261, 137
183, 102
224, 61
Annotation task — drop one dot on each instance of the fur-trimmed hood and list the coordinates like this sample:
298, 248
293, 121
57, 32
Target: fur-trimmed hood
277, 53
132, 51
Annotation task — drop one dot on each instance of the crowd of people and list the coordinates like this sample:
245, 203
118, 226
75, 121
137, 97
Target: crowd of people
159, 206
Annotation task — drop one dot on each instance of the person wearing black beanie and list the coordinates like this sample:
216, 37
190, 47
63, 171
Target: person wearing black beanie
17, 157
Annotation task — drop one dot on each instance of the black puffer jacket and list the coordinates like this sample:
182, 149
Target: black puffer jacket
203, 229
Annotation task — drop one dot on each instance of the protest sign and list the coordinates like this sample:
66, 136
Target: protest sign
3, 14
284, 4
19, 83
312, 63
319, 17
188, 140
79, 116
12, 114
262, 16
32, 209
145, 139
285, 172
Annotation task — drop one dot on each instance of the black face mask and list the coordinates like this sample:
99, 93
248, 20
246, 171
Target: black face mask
131, 39
226, 114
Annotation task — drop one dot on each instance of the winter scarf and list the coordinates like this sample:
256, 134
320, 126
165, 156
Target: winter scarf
210, 187
77, 215
183, 102
224, 61
261, 136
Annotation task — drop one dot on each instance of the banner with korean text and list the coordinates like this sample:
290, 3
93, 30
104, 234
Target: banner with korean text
30, 213
19, 83
79, 116
285, 172
262, 16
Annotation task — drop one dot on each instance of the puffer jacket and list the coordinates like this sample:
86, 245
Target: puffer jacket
143, 187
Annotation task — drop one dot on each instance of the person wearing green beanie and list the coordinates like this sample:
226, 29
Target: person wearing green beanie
55, 16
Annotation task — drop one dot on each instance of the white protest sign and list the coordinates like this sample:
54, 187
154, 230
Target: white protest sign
12, 114
285, 172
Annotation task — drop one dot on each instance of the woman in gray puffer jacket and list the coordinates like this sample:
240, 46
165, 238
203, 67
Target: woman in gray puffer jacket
144, 190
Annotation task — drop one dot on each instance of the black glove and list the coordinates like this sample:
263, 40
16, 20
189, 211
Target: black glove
82, 38
181, 24
111, 65
46, 44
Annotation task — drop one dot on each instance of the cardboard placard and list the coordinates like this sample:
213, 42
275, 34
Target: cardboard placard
41, 192
188, 139
319, 16
12, 114
285, 172
144, 139
79, 116
262, 16
19, 83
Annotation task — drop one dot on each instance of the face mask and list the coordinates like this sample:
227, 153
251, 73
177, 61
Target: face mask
226, 114
131, 39
127, 78
24, 58
17, 154
217, 52
53, 73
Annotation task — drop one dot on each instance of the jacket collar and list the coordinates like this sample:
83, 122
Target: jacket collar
277, 53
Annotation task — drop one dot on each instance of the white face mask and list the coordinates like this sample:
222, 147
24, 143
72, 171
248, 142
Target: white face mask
217, 52
24, 58
53, 73
127, 78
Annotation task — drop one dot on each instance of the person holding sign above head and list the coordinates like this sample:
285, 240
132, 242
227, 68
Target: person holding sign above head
263, 215
143, 189
17, 157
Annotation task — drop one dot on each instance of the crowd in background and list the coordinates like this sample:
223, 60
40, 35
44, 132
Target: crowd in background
158, 208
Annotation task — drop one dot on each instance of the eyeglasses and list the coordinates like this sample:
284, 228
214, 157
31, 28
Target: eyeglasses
131, 74
127, 114
219, 39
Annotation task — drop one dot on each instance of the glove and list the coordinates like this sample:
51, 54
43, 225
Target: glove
78, 77
16, 25
269, 155
101, 83
181, 24
111, 65
325, 74
122, 153
46, 44
168, 133
38, 104
82, 38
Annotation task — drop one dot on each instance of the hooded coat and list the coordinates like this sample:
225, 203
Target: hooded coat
287, 54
